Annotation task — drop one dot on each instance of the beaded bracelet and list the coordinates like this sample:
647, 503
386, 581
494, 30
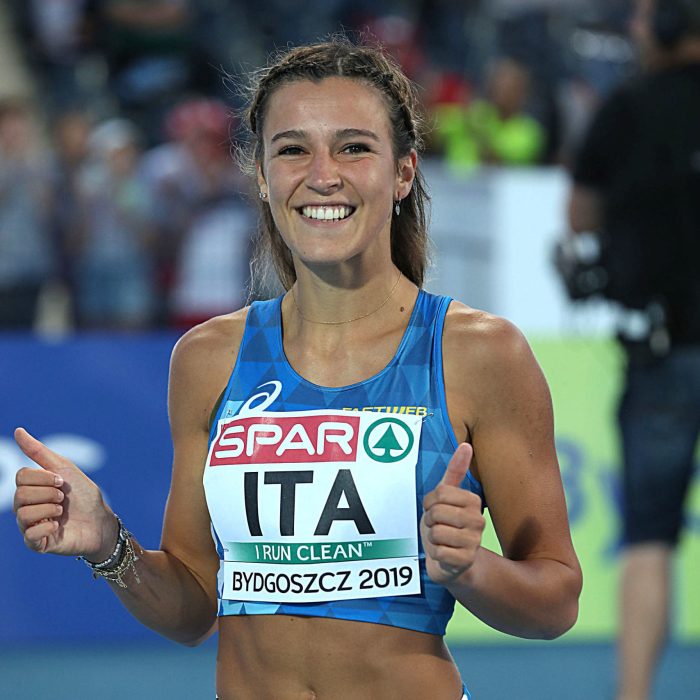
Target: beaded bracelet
114, 557
119, 561
126, 563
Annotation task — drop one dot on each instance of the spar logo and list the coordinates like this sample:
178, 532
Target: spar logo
388, 440
266, 439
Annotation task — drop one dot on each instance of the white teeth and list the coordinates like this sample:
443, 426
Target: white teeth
327, 213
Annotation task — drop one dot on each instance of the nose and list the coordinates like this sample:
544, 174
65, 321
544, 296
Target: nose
323, 175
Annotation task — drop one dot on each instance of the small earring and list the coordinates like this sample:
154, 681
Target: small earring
262, 195
397, 207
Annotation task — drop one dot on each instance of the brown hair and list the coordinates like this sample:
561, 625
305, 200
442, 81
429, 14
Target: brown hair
340, 57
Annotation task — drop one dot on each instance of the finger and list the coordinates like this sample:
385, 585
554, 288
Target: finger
30, 495
37, 451
451, 556
31, 515
36, 536
441, 513
458, 466
31, 476
447, 536
450, 495
452, 560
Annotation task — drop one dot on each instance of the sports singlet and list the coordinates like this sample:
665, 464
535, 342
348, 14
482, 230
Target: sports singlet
315, 493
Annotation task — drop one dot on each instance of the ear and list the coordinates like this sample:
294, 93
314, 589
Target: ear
406, 173
262, 184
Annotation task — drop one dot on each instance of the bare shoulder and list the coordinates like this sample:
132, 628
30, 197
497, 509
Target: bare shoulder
211, 341
202, 361
482, 341
490, 370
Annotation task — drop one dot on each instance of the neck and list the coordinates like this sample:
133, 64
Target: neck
319, 304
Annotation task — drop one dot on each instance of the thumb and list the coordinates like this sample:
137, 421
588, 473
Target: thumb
458, 465
38, 452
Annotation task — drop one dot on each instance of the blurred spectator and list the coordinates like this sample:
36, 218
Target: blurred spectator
138, 58
204, 220
494, 129
152, 57
280, 22
71, 134
444, 26
26, 257
599, 56
446, 96
578, 101
399, 36
112, 247
60, 37
637, 182
525, 32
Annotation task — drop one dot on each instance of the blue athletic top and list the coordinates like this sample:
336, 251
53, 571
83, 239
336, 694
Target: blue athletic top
412, 383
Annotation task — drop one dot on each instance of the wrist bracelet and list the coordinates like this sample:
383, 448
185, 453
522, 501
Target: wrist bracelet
119, 562
114, 557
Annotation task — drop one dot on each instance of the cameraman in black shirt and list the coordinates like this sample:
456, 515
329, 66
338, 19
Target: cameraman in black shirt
637, 183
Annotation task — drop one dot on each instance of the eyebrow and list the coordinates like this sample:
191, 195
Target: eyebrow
340, 133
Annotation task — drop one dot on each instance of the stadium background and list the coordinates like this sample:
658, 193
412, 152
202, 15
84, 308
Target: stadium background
100, 398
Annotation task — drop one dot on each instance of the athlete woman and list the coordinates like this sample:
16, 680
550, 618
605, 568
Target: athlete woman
325, 510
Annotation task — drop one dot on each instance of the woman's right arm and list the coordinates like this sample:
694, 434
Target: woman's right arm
60, 510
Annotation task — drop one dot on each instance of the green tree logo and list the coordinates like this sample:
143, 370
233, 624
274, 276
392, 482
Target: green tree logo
382, 444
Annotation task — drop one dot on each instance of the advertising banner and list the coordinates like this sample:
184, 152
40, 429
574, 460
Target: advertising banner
585, 380
101, 401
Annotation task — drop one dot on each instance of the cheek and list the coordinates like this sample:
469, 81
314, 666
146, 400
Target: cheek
378, 183
278, 214
281, 181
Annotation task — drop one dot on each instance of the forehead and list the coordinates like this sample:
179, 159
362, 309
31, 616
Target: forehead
331, 104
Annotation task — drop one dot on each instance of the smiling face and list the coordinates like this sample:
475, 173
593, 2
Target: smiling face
329, 170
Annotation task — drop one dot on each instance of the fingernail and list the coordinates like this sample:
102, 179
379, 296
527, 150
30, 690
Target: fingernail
58, 480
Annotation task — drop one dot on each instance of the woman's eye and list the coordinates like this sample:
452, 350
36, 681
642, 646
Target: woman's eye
355, 148
290, 151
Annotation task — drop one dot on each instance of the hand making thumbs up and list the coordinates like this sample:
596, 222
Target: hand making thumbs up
452, 522
59, 509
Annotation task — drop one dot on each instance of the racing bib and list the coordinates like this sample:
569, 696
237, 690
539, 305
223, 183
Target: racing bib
315, 506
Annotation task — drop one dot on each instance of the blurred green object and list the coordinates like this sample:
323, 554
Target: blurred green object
477, 134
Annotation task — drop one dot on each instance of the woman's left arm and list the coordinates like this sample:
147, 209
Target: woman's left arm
501, 397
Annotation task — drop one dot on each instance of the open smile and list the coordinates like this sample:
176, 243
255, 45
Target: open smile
327, 213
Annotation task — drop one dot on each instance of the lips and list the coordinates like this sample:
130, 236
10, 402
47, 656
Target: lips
327, 212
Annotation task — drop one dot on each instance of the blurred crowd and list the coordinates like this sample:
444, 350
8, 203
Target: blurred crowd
119, 195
